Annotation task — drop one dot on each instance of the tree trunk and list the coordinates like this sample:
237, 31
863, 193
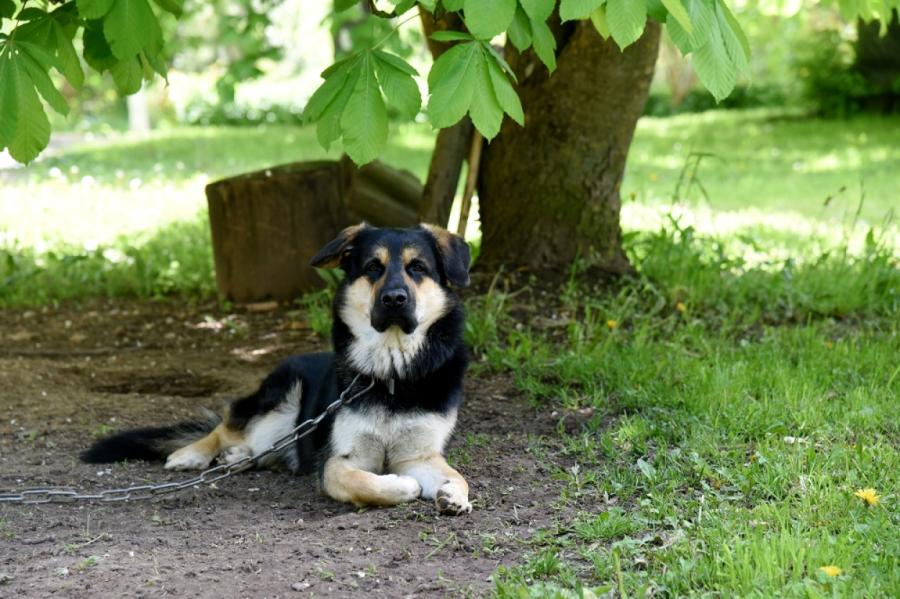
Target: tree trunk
549, 191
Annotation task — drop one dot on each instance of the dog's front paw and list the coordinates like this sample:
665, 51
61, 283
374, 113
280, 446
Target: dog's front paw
405, 488
235, 454
452, 501
187, 458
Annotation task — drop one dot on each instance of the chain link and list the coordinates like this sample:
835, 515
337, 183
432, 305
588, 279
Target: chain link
207, 477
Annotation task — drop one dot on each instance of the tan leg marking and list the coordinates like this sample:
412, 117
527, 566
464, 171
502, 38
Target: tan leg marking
345, 482
200, 453
439, 481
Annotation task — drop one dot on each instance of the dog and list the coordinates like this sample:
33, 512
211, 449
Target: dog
398, 323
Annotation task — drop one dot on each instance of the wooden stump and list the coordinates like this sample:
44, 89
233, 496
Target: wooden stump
267, 225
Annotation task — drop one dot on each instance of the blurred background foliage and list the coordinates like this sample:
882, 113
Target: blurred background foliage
239, 62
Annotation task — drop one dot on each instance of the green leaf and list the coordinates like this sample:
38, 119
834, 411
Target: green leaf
487, 18
96, 49
506, 95
176, 7
519, 31
37, 62
570, 10
7, 9
538, 10
30, 14
679, 13
69, 65
544, 44
396, 62
429, 5
451, 83
127, 75
598, 18
626, 20
403, 6
485, 111
398, 86
714, 67
24, 128
328, 129
44, 59
339, 65
94, 9
656, 11
364, 123
735, 39
453, 5
702, 18
498, 58
156, 62
342, 5
39, 31
335, 79
130, 27
451, 36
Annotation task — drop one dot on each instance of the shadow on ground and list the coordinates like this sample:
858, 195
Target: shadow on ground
68, 375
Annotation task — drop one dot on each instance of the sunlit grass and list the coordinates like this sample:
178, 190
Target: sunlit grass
96, 191
772, 162
774, 188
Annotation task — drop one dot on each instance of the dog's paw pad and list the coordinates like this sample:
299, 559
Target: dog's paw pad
187, 460
451, 504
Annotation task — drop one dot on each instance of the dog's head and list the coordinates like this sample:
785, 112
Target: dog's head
398, 283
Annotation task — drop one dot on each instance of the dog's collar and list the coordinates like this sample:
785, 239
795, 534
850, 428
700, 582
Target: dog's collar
390, 385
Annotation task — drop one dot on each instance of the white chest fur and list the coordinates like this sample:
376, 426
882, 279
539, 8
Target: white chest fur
375, 437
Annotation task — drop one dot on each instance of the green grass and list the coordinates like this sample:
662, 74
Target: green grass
126, 217
735, 412
66, 221
772, 163
740, 387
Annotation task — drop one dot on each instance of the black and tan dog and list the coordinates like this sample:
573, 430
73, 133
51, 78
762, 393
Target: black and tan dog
397, 321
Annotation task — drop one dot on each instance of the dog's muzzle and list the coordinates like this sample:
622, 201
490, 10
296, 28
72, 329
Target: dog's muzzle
394, 307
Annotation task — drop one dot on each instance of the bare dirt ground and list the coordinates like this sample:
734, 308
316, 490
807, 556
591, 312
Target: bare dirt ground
70, 374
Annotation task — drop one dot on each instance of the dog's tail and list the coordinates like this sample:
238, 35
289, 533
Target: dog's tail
148, 443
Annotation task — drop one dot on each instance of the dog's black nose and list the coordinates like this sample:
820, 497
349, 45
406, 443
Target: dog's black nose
394, 298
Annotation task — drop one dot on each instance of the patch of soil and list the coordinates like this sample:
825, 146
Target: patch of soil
70, 374
180, 384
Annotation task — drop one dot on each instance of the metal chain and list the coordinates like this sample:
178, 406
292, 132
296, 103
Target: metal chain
208, 477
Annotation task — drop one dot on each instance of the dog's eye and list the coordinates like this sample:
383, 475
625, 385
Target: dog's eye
374, 266
416, 267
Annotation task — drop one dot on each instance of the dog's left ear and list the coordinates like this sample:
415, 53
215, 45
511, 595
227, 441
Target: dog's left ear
332, 254
454, 253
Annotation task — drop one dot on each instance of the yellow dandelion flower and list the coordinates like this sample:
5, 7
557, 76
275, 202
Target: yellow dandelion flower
612, 324
829, 344
869, 496
654, 177
681, 307
832, 571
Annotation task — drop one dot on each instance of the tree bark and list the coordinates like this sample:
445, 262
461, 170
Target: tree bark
267, 225
549, 191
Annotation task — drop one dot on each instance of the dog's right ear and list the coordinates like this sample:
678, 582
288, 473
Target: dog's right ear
333, 253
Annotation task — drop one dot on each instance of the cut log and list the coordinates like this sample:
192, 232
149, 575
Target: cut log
382, 195
267, 225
